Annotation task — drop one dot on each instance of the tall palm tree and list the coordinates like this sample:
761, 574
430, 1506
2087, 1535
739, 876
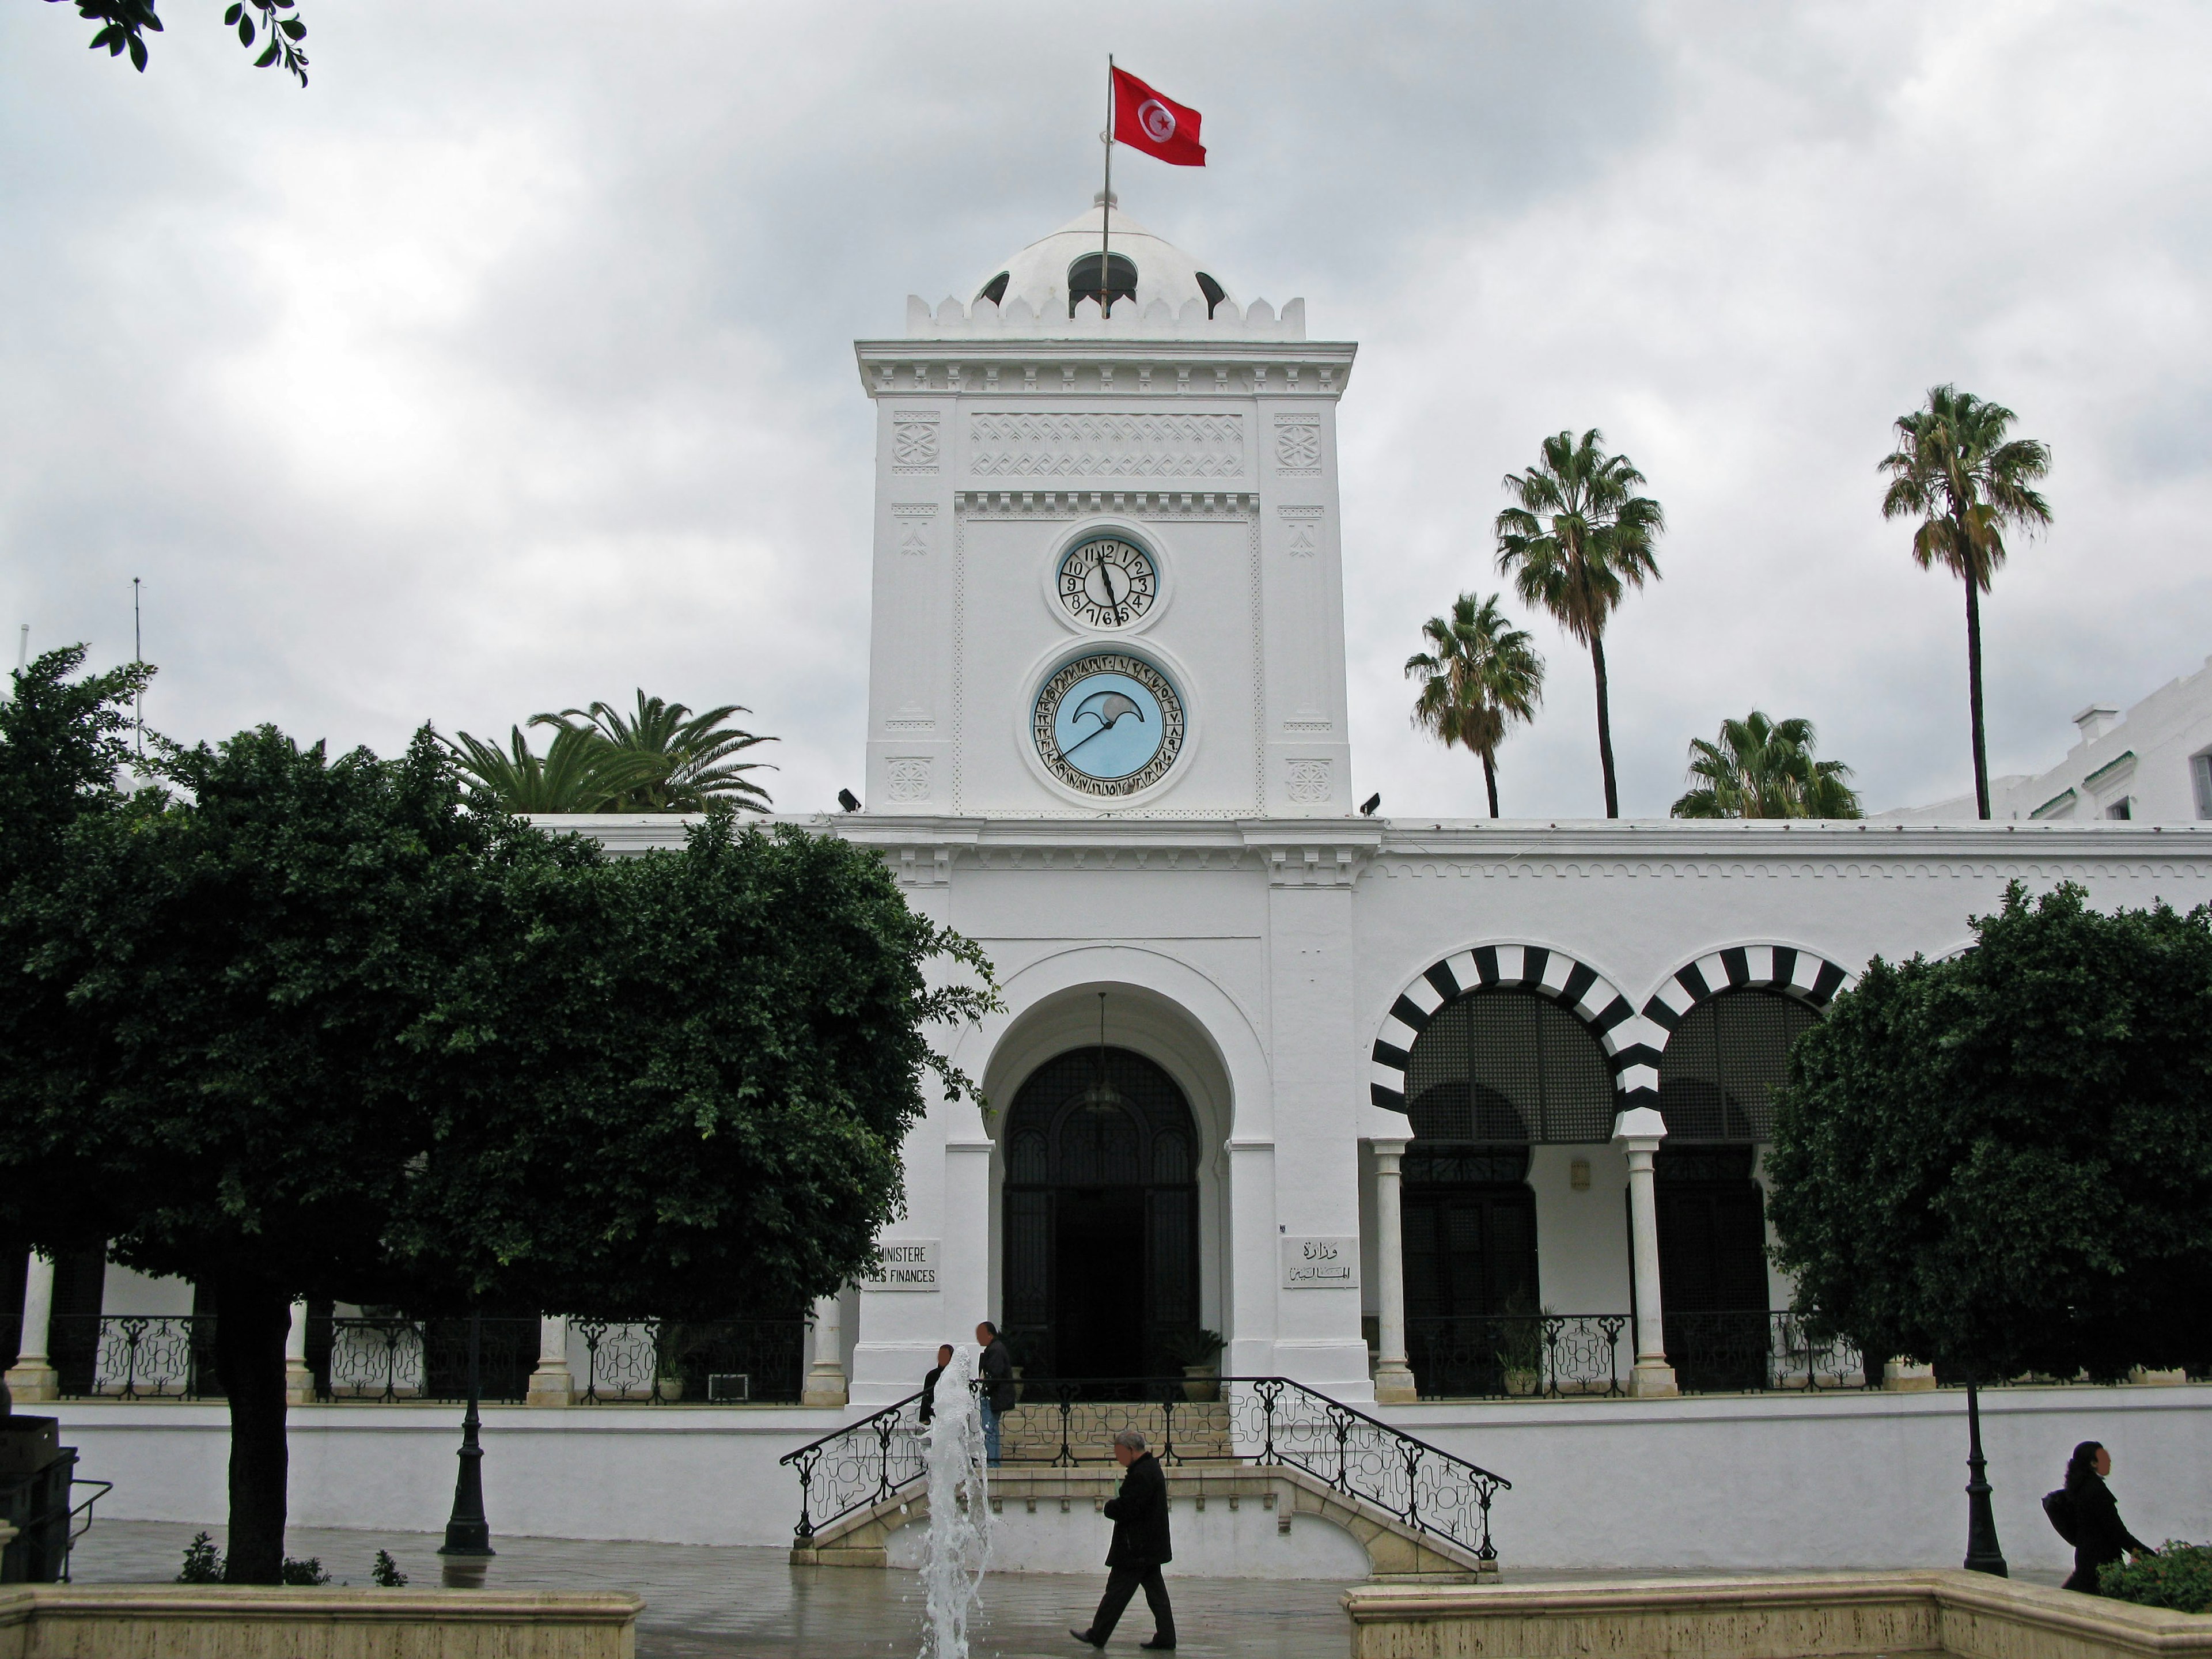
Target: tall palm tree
1764, 768
1578, 538
580, 773
690, 757
1480, 675
1954, 469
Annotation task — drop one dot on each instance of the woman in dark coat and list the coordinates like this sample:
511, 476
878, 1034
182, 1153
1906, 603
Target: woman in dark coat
2099, 1535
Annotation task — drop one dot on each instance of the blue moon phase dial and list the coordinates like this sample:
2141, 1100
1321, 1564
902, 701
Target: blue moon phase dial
1108, 724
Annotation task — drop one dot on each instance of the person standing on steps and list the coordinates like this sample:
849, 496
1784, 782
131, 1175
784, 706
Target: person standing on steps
994, 1367
929, 1381
2099, 1534
1139, 1549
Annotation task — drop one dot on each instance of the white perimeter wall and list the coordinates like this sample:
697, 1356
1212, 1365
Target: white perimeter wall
1852, 1480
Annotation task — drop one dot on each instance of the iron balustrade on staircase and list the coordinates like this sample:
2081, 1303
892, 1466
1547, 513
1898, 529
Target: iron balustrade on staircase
1071, 1422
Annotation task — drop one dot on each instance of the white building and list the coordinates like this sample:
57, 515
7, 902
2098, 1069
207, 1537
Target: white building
2151, 765
1361, 1095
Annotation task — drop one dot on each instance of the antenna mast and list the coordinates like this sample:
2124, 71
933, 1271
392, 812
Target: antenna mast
1106, 202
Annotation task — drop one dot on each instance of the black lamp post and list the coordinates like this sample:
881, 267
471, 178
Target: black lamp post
467, 1550
1983, 1552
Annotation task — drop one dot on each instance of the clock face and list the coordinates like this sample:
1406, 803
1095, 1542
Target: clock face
1108, 724
1107, 582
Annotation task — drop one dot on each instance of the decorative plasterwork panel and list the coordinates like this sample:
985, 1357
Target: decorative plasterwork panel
1309, 780
909, 778
923, 867
1298, 445
1303, 523
914, 440
1076, 503
914, 518
1050, 445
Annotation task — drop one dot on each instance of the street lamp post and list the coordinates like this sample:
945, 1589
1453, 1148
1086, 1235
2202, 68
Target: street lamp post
1983, 1552
467, 1550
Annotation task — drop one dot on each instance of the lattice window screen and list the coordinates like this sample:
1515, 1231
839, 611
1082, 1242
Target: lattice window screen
1507, 1065
1719, 1070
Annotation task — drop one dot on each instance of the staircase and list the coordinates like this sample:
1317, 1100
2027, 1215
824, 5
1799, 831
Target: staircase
1417, 1511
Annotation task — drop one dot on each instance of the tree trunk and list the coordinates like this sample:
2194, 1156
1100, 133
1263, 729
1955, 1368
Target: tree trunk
1604, 727
252, 1315
1974, 694
1490, 782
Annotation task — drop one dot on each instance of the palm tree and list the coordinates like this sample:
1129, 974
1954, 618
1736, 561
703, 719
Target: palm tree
578, 773
1579, 538
689, 755
1954, 469
1764, 768
1480, 674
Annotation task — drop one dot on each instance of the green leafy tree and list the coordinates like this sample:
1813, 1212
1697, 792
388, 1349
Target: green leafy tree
1577, 539
579, 771
1955, 470
692, 759
2001, 1162
1760, 767
124, 25
322, 1028
1479, 675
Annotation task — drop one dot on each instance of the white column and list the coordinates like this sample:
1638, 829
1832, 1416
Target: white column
1394, 1377
1640, 1131
32, 1376
550, 1384
825, 1378
299, 1380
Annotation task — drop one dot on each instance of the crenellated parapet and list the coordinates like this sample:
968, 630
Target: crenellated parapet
1045, 315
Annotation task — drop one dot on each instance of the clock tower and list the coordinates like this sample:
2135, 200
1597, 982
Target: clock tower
1107, 577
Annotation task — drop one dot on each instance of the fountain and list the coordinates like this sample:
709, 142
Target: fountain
958, 1546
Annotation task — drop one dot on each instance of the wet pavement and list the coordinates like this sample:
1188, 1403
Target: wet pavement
704, 1603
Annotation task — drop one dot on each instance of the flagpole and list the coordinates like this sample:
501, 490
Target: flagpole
1106, 206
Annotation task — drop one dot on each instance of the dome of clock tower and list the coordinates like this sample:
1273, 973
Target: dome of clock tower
1041, 273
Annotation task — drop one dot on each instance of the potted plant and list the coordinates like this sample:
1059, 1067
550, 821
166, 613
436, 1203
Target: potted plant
1198, 1350
669, 1352
1520, 1348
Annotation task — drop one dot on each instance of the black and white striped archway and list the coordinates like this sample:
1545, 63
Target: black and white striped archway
1805, 975
1575, 986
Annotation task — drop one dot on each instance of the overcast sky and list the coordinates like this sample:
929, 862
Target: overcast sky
509, 365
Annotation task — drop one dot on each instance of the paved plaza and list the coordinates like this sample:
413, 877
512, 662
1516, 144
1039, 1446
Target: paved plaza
704, 1603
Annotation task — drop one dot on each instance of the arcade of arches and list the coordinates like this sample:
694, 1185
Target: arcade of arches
1501, 1071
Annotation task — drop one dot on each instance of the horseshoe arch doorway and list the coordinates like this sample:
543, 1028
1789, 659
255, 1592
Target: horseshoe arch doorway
1100, 1223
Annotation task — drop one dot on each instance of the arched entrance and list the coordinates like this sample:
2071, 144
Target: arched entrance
1101, 1216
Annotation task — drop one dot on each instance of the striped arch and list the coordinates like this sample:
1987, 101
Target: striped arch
1810, 978
1575, 986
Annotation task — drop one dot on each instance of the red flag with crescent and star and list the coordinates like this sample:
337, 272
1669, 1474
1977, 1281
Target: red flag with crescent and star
1158, 126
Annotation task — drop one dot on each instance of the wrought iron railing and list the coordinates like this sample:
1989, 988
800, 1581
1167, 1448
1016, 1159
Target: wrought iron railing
721, 1361
1257, 1420
1759, 1353
390, 1359
134, 1356
1514, 1356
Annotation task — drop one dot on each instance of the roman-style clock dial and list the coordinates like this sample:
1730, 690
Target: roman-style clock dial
1107, 582
1108, 724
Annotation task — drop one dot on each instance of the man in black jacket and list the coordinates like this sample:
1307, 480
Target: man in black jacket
995, 1366
1139, 1548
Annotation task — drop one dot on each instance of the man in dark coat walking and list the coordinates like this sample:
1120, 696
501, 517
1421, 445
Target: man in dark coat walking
1139, 1548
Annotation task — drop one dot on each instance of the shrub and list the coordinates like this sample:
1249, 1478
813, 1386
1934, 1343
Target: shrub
2179, 1577
202, 1562
386, 1572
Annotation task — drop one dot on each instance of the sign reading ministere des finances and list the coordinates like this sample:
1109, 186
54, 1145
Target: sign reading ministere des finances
1321, 1264
905, 1264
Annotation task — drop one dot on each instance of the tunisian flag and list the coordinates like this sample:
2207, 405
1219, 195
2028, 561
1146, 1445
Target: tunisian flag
1158, 126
